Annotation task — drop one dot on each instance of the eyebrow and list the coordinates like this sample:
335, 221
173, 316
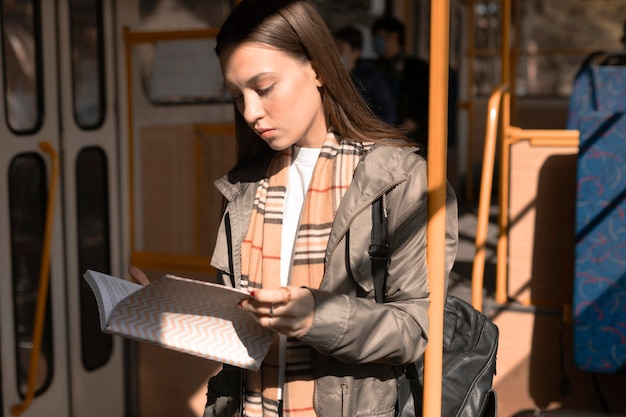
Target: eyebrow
252, 80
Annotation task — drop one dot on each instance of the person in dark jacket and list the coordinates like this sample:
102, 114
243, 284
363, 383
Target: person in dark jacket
408, 79
368, 79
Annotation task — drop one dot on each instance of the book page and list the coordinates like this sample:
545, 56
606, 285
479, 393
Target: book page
109, 291
195, 317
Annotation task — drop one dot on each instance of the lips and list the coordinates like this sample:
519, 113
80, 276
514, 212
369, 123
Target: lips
265, 133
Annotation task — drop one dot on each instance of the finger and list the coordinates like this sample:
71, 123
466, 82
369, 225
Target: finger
288, 292
258, 308
282, 295
138, 275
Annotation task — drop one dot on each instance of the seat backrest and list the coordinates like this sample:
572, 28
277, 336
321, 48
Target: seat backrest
600, 281
598, 87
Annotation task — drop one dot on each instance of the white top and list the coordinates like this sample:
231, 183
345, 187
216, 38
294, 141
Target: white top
299, 178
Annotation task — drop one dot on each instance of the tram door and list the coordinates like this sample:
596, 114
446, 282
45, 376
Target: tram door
58, 72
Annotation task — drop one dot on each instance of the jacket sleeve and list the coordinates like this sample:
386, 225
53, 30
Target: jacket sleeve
222, 254
355, 329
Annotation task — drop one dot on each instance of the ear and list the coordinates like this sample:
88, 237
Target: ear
318, 77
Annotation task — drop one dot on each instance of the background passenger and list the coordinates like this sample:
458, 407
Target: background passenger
407, 77
368, 79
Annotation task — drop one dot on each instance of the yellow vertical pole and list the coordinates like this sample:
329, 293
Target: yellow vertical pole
514, 55
131, 130
505, 48
503, 194
436, 229
198, 185
471, 56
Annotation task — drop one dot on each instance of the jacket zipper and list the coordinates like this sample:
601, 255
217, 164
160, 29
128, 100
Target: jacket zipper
390, 187
344, 400
332, 251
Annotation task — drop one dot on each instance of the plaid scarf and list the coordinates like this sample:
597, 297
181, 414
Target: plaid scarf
332, 175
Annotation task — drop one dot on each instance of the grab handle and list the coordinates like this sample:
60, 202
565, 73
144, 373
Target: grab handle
491, 138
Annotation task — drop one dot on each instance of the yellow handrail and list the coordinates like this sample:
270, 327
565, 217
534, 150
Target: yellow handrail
543, 137
42, 293
135, 38
478, 266
510, 135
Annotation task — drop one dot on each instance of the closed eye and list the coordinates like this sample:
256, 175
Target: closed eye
265, 91
261, 92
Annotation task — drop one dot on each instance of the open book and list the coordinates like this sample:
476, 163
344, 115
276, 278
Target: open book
195, 317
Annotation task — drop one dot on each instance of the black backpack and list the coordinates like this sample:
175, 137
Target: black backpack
470, 344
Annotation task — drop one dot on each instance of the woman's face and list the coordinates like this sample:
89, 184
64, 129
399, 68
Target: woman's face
277, 95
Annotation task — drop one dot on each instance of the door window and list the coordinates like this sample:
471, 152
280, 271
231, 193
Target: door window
27, 207
92, 210
22, 65
87, 46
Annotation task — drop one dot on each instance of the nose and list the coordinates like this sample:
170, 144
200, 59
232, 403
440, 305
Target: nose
252, 108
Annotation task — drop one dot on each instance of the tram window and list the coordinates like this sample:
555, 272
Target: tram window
27, 207
92, 213
181, 14
87, 47
22, 65
183, 71
552, 38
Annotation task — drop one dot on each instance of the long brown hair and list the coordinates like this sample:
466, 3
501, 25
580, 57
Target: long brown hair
295, 27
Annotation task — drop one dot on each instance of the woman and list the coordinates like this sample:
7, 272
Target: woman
296, 229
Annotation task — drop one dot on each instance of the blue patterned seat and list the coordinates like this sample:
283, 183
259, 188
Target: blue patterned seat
597, 88
597, 110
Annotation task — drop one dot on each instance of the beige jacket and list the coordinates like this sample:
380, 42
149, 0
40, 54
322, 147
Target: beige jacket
360, 345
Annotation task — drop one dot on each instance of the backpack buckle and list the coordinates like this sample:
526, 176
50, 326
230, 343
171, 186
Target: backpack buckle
378, 251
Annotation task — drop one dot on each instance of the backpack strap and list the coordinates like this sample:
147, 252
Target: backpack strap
379, 255
379, 249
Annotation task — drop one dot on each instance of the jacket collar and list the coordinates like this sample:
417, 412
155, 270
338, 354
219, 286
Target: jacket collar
380, 170
384, 170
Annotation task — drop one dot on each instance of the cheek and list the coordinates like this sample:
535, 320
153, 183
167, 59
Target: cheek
313, 99
302, 106
288, 104
296, 101
307, 93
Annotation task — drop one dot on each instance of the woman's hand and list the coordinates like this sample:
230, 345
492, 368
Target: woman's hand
287, 310
138, 275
